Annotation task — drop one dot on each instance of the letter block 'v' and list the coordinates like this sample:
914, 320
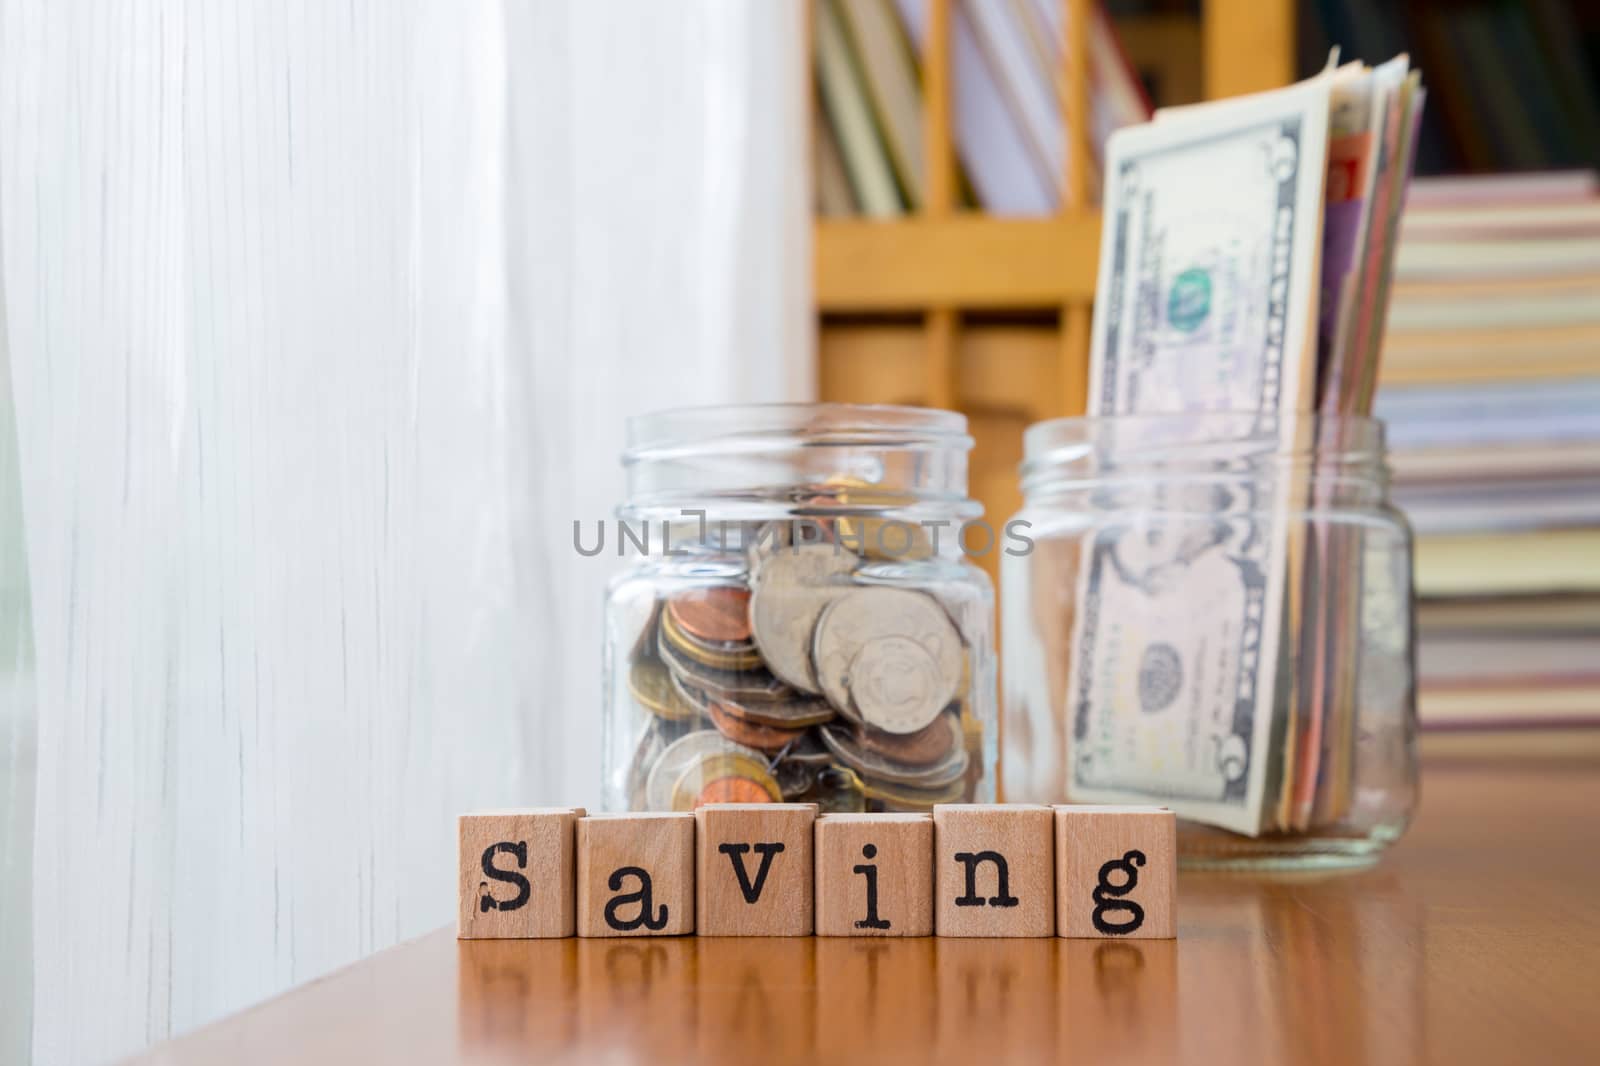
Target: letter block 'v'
753, 869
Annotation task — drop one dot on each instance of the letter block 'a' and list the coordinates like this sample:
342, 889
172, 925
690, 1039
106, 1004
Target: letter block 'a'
753, 869
994, 870
517, 873
1116, 871
636, 875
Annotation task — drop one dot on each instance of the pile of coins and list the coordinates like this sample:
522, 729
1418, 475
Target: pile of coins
802, 682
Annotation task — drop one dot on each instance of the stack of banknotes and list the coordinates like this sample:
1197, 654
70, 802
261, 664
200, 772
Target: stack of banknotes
1245, 267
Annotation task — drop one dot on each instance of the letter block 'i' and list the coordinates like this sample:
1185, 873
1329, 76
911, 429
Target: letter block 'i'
516, 873
994, 870
753, 870
874, 875
636, 875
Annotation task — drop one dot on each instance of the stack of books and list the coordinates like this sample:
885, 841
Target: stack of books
1491, 392
1009, 135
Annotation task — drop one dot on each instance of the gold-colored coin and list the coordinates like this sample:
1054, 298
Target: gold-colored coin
888, 796
724, 778
838, 790
650, 682
717, 656
877, 538
744, 687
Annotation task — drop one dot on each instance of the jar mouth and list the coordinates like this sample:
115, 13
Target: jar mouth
686, 432
1072, 452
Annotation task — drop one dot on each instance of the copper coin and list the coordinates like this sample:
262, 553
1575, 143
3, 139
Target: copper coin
714, 654
784, 714
927, 745
750, 734
876, 768
720, 613
889, 796
715, 779
732, 790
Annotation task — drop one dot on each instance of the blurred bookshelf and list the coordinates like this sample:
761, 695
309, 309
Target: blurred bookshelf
1490, 382
954, 289
923, 295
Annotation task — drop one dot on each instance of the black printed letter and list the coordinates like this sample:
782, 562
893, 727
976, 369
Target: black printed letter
1002, 877
486, 901
735, 853
641, 897
871, 921
1107, 897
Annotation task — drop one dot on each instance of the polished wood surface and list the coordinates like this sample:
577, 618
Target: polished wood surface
1477, 939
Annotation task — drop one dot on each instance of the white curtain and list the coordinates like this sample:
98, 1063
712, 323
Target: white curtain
320, 323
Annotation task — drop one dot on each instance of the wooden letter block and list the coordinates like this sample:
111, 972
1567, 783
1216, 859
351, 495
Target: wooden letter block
753, 869
874, 875
993, 870
516, 871
1116, 872
636, 875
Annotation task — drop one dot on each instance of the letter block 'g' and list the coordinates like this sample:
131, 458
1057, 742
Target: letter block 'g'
753, 869
994, 870
517, 873
1116, 871
636, 875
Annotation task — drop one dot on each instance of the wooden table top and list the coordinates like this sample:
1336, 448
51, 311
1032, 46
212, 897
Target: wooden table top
1476, 940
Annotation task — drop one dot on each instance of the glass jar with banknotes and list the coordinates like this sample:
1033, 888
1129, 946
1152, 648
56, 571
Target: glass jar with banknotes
799, 621
1216, 616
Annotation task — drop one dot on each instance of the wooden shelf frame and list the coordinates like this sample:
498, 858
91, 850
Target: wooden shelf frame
942, 262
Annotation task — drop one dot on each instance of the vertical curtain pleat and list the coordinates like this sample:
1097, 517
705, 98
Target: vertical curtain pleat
321, 323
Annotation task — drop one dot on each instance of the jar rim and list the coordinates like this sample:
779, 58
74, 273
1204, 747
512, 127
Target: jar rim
1174, 444
721, 427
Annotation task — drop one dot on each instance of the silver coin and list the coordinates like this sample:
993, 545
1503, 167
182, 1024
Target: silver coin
679, 756
789, 590
741, 686
874, 612
875, 767
895, 685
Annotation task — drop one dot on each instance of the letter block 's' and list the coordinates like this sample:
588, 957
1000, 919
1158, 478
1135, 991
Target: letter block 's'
636, 875
516, 873
994, 871
874, 875
1116, 871
753, 870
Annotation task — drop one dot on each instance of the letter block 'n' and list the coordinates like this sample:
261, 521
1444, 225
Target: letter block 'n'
517, 873
994, 870
753, 869
636, 875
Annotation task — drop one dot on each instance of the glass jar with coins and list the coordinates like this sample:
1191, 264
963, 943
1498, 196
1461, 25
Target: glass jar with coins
1216, 616
800, 621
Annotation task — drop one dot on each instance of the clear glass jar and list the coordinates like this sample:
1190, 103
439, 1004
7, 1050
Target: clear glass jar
800, 622
1216, 615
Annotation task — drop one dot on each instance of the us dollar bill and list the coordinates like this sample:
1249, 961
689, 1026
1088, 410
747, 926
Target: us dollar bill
1207, 305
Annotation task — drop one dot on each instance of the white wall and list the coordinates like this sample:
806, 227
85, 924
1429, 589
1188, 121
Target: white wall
322, 320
